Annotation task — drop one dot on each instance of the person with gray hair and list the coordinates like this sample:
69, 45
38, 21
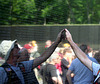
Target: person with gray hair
12, 72
49, 73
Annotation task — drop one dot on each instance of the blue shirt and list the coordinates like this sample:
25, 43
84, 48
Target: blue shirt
82, 74
3, 74
96, 68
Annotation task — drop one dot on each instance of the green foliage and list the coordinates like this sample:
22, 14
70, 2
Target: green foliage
14, 12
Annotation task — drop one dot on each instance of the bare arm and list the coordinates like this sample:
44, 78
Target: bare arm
69, 76
49, 51
79, 53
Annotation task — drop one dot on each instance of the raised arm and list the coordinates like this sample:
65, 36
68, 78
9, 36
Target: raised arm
79, 53
49, 51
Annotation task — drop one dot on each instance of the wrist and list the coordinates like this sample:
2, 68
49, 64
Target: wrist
57, 41
71, 42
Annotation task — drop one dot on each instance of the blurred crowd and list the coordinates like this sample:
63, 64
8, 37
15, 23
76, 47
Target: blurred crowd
61, 58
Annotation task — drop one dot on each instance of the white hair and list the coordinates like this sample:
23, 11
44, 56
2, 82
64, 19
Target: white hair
53, 56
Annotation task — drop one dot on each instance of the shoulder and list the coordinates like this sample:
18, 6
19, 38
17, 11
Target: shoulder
95, 67
42, 67
51, 67
63, 59
73, 64
93, 59
75, 60
1, 68
64, 62
28, 64
3, 75
2, 71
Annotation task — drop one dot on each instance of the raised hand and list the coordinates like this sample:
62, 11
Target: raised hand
68, 36
78, 52
61, 35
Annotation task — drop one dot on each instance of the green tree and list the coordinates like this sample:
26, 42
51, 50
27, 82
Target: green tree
23, 11
49, 12
5, 12
96, 12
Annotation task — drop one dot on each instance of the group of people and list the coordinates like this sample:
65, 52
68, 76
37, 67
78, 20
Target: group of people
70, 68
20, 62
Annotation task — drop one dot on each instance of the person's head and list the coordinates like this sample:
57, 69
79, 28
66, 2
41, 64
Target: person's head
11, 52
68, 55
13, 56
24, 55
97, 56
48, 43
66, 45
67, 52
55, 58
29, 47
90, 52
33, 43
84, 48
